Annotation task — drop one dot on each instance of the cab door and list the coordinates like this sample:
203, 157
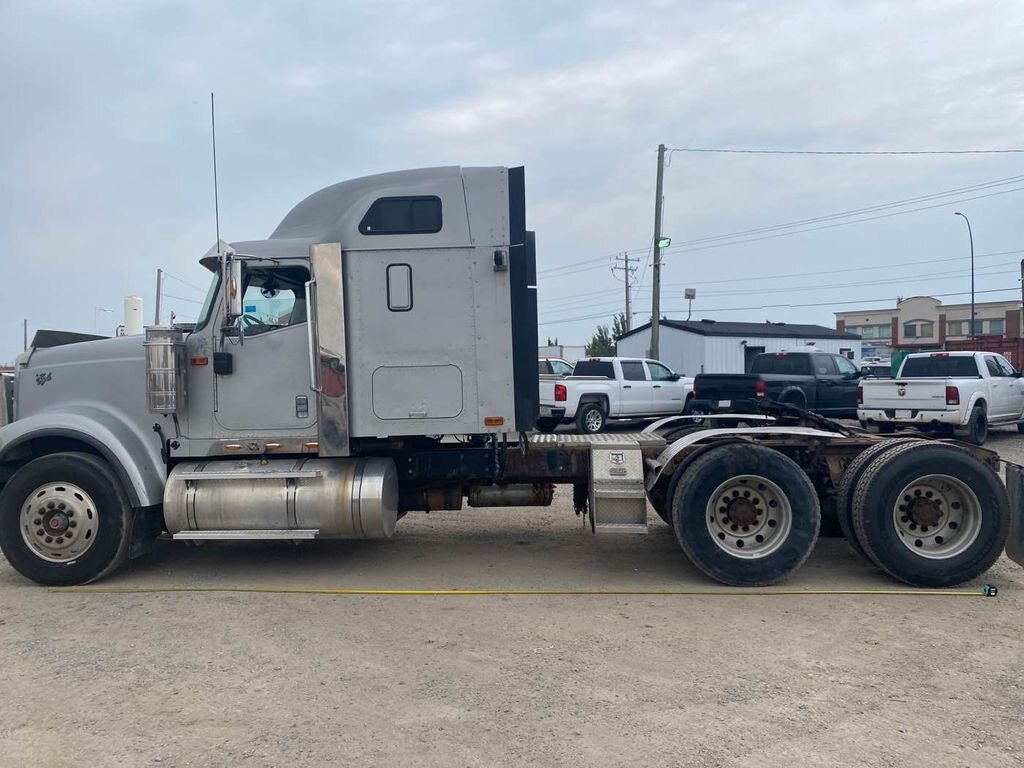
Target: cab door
846, 385
669, 394
267, 390
635, 394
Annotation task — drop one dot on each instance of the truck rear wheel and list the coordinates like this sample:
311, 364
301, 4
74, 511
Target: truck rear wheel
746, 515
931, 515
64, 519
848, 484
590, 419
977, 426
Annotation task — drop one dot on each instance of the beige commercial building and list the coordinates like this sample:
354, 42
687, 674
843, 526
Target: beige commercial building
923, 322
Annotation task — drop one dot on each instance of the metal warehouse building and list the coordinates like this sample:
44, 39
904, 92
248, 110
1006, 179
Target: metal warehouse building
709, 346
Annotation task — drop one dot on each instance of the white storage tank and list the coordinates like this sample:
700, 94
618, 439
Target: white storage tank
132, 316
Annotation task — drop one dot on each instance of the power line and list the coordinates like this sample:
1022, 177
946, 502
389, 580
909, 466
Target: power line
1016, 291
844, 223
180, 298
847, 151
856, 211
762, 278
185, 282
952, 275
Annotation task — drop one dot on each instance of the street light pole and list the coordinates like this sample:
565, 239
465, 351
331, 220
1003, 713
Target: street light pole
971, 236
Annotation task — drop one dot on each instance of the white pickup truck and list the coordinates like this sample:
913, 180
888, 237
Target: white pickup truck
963, 392
603, 388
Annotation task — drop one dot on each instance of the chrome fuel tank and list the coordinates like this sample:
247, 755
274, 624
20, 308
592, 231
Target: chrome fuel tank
337, 498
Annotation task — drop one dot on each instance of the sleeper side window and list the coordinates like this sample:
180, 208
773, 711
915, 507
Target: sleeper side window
402, 216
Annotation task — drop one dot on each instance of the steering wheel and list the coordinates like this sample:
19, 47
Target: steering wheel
251, 322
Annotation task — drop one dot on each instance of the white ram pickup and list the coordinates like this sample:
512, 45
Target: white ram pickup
963, 392
603, 388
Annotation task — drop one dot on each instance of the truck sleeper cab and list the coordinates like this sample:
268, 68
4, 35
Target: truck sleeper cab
313, 396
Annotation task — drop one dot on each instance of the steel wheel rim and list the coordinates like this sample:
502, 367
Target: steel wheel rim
59, 522
749, 516
937, 517
593, 420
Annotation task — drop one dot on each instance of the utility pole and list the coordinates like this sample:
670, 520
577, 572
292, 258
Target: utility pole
627, 276
24, 325
656, 280
159, 279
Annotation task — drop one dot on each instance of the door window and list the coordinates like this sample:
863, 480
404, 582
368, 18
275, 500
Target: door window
824, 365
846, 368
274, 297
993, 366
659, 372
561, 367
633, 371
1004, 366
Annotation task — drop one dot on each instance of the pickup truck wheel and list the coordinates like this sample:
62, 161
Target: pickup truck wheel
931, 515
746, 515
977, 426
848, 484
1020, 427
590, 419
547, 425
64, 519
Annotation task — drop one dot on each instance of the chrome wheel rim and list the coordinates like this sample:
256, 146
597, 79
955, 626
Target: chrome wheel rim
749, 516
593, 420
937, 516
59, 522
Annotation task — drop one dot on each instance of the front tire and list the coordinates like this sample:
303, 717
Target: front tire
64, 519
746, 515
591, 419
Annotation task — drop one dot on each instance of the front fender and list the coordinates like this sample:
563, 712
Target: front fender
135, 456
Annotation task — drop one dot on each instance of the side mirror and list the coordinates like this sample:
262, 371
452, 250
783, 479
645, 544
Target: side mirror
232, 276
676, 377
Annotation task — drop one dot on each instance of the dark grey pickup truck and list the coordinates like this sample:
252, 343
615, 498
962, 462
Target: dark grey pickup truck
813, 381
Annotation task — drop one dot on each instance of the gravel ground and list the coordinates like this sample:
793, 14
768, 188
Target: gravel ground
223, 679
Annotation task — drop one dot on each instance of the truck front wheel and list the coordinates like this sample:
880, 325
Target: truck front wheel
64, 519
746, 515
590, 419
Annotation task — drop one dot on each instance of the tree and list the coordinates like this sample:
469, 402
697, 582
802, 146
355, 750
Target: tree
602, 343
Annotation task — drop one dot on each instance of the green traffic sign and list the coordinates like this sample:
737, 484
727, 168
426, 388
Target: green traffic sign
665, 242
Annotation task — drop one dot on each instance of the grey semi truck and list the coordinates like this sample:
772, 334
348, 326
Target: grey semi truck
376, 356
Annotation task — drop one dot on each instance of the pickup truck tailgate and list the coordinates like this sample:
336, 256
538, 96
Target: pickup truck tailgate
918, 394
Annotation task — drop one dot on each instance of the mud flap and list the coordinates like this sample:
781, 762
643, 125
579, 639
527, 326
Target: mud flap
1015, 490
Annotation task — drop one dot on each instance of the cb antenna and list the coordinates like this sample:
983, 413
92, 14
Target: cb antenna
216, 201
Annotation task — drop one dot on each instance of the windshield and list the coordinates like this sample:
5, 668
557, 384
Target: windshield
939, 367
211, 293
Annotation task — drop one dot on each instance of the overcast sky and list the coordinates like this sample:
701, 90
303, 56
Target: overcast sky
105, 146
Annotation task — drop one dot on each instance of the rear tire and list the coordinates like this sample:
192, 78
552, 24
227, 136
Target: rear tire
547, 425
745, 515
590, 419
848, 485
64, 519
931, 515
977, 426
1020, 427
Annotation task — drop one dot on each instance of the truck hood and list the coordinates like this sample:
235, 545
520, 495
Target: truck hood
110, 371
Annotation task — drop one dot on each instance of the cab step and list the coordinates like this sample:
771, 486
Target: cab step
284, 534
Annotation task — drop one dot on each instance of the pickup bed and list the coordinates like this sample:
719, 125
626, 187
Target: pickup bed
962, 392
603, 388
813, 381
